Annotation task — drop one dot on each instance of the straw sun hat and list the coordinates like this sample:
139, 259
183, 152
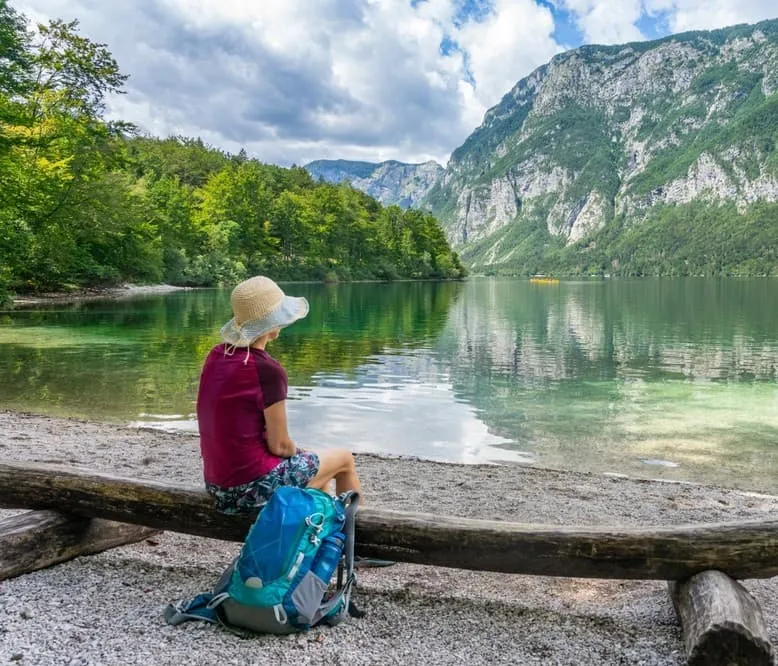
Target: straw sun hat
259, 306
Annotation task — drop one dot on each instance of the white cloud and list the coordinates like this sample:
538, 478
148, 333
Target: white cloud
710, 14
295, 80
605, 21
610, 22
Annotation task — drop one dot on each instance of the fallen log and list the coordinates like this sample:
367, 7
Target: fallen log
742, 550
37, 539
722, 623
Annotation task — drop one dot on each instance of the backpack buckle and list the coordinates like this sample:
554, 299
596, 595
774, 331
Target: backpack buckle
316, 521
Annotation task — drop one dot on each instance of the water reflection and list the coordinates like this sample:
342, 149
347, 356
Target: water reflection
662, 378
118, 359
701, 329
673, 378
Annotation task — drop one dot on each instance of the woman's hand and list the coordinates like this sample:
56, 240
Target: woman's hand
278, 440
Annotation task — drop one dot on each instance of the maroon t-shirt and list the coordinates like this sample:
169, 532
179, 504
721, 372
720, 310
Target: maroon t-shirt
234, 390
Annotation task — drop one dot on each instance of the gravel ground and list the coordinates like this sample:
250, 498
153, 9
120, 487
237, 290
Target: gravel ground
107, 608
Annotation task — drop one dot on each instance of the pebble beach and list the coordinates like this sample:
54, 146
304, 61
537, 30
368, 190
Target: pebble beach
106, 609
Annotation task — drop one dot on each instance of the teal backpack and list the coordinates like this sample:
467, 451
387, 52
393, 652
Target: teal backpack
282, 579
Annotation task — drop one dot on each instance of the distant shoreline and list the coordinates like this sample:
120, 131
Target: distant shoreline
97, 293
125, 290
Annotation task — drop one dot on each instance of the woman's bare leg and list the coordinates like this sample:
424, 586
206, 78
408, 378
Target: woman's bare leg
336, 464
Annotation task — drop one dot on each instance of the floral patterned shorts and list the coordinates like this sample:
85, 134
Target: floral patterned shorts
250, 497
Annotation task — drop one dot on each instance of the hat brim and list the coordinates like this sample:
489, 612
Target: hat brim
289, 311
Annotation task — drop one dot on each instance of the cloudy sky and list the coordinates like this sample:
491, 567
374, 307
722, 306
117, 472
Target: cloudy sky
298, 80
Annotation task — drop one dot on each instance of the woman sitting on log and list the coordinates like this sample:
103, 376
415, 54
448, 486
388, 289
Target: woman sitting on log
241, 409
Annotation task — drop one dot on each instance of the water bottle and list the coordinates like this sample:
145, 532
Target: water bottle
328, 557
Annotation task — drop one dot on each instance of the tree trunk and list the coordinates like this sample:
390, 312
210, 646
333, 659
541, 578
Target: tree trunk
742, 550
722, 623
38, 539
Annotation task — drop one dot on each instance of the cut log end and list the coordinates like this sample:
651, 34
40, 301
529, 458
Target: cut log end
38, 539
722, 623
725, 646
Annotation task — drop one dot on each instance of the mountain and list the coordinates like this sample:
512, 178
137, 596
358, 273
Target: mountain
390, 182
649, 158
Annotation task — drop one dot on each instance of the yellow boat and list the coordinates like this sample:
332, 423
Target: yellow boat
543, 280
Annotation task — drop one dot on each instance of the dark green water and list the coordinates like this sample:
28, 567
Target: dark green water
656, 378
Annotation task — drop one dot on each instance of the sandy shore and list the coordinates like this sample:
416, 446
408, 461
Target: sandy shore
106, 609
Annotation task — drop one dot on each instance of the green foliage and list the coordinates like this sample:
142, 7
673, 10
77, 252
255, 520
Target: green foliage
700, 239
56, 161
502, 122
571, 137
85, 202
715, 76
754, 125
695, 239
189, 161
14, 57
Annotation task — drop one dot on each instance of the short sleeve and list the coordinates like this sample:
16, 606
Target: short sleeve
272, 380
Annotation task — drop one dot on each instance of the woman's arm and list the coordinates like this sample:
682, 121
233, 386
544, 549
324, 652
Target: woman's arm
278, 440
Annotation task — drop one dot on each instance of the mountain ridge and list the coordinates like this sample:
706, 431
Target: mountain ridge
654, 157
391, 182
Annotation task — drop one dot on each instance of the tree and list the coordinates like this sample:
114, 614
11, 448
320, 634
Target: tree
84, 201
57, 151
288, 226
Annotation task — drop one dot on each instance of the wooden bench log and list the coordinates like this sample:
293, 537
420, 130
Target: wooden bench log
722, 623
37, 539
743, 550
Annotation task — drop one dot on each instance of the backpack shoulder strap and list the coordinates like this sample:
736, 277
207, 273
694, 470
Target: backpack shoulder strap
342, 597
198, 608
351, 502
203, 606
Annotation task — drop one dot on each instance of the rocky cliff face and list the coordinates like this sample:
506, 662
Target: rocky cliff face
606, 137
392, 183
602, 159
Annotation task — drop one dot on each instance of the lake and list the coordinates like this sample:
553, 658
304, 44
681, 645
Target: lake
673, 378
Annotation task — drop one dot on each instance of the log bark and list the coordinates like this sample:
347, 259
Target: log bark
722, 623
742, 550
37, 539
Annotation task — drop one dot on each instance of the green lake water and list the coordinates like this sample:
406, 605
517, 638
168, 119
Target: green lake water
674, 379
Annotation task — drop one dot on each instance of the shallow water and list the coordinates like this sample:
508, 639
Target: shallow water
661, 378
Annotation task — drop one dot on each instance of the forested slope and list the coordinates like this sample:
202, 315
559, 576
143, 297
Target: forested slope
86, 202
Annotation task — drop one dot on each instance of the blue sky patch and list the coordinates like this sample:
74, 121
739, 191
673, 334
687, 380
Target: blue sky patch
472, 10
653, 27
566, 31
